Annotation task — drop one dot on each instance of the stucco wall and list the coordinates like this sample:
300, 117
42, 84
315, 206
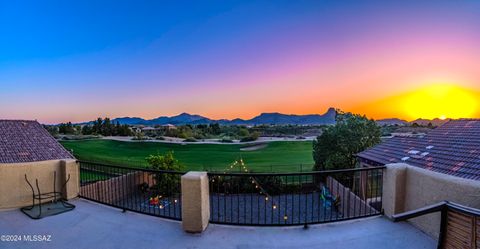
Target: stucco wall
15, 192
407, 188
351, 205
116, 188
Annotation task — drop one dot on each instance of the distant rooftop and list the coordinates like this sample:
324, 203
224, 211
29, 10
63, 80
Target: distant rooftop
27, 141
453, 149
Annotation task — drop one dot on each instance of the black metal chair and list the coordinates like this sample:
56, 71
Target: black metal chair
41, 207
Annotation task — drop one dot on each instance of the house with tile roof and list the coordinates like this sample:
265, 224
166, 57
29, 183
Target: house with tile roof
452, 149
28, 151
443, 164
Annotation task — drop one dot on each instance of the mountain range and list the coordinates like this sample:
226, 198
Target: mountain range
264, 118
420, 121
273, 118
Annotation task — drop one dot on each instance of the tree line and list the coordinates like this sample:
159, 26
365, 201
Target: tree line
104, 127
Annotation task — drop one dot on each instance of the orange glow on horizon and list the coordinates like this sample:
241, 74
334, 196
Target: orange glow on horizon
432, 101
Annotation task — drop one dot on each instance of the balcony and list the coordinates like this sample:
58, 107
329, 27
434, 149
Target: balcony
93, 225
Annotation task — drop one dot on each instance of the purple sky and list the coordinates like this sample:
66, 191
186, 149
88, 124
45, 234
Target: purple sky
64, 61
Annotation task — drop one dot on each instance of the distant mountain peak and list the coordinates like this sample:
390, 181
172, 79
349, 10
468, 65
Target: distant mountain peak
391, 121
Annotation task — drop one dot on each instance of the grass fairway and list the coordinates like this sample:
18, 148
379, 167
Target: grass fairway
276, 156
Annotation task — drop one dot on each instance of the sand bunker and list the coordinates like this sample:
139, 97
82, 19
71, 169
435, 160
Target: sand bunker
254, 147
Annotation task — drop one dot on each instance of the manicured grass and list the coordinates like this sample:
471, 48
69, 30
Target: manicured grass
276, 156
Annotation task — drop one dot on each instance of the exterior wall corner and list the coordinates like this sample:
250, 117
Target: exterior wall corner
393, 197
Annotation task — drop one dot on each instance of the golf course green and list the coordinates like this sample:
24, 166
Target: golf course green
273, 156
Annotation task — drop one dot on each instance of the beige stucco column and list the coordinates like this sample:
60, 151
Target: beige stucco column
195, 202
393, 198
70, 167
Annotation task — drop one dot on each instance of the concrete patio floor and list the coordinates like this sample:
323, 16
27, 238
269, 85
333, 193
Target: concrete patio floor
93, 225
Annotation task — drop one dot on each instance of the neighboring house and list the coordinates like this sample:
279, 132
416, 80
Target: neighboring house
444, 164
26, 148
169, 126
452, 149
148, 128
135, 129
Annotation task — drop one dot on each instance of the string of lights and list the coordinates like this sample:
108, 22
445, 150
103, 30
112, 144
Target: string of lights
243, 168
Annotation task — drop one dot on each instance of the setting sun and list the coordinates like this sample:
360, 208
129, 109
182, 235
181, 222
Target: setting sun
441, 101
429, 101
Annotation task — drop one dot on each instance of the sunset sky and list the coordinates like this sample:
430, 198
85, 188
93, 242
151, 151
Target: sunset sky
64, 61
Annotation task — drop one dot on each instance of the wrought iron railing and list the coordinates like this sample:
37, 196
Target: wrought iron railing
269, 199
241, 198
140, 190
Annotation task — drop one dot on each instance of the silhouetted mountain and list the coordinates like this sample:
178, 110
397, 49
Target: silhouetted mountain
264, 118
283, 119
391, 121
183, 118
129, 120
237, 121
425, 122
